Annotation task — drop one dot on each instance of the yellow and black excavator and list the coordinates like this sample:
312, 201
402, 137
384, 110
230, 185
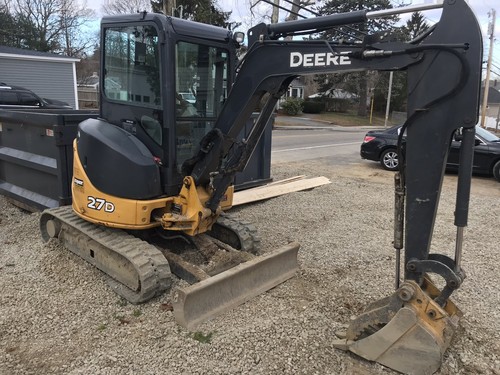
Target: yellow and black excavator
156, 168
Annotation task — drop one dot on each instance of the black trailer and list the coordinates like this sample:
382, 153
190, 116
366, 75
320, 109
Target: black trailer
36, 157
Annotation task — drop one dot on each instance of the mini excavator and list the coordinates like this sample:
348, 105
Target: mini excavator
155, 168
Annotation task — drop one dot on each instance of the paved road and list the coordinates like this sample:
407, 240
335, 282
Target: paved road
339, 145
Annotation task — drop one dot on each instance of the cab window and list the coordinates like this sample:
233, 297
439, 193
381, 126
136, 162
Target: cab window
201, 90
132, 75
131, 65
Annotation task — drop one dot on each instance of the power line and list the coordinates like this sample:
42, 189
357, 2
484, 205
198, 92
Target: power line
282, 8
314, 13
302, 7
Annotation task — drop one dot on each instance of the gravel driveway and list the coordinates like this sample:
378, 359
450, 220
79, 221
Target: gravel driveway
57, 315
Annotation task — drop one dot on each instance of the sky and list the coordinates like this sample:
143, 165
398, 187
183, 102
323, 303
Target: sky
241, 13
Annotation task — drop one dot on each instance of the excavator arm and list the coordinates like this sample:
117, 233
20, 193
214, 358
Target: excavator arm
444, 75
284, 61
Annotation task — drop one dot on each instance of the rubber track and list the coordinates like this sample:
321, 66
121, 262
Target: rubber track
246, 232
150, 264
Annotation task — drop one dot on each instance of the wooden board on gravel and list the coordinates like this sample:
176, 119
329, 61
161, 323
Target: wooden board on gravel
277, 188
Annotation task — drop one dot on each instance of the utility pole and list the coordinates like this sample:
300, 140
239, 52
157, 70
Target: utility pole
491, 32
498, 118
276, 10
168, 7
388, 105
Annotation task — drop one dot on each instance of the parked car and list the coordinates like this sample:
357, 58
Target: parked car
187, 96
381, 146
12, 97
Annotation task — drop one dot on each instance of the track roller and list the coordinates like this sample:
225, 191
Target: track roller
137, 270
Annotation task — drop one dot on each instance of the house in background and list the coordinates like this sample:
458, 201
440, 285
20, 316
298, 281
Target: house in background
88, 90
492, 119
46, 74
492, 109
295, 90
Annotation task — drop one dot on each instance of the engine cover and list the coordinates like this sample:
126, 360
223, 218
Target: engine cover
116, 162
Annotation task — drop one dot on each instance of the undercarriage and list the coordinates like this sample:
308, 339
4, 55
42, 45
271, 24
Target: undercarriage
139, 264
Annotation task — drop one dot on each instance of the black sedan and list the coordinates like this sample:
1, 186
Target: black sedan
381, 146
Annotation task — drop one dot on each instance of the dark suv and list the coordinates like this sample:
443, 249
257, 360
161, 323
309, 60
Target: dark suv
12, 97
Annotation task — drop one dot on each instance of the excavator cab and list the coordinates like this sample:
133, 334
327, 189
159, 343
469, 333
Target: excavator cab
148, 61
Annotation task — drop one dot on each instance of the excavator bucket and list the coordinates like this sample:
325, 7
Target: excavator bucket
408, 331
210, 297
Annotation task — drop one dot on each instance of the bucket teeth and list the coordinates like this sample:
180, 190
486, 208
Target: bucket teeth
375, 316
408, 331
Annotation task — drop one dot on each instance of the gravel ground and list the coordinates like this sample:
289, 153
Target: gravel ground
57, 316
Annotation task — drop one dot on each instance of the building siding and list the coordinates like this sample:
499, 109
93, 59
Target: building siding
47, 79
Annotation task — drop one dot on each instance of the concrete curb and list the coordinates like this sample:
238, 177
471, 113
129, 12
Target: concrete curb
332, 127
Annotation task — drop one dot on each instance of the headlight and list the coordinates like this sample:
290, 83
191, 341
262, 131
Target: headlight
239, 37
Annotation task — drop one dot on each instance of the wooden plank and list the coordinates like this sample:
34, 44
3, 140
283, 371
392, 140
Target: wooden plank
281, 182
266, 192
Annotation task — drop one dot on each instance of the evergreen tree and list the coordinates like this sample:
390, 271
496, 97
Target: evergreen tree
9, 33
415, 26
357, 83
205, 11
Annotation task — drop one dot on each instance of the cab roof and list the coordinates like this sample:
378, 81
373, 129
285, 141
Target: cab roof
177, 25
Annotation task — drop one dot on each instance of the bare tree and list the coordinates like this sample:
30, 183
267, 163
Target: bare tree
40, 24
298, 5
260, 10
125, 6
73, 17
52, 25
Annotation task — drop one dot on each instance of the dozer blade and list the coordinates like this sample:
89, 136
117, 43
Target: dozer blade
407, 331
210, 297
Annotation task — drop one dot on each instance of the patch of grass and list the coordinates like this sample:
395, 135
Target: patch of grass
137, 313
102, 327
122, 302
342, 119
204, 339
348, 118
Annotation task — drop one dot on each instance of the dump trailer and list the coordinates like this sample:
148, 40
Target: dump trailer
154, 169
